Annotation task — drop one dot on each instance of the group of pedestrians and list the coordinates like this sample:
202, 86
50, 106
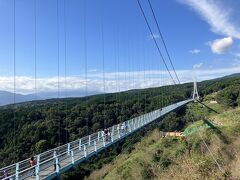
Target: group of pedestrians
123, 128
107, 134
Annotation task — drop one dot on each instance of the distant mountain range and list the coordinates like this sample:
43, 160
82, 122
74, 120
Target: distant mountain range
8, 97
230, 76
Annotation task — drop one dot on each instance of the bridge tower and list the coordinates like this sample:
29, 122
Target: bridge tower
195, 91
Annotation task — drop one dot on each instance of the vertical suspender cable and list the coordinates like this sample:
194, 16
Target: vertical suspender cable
85, 56
35, 46
129, 75
118, 78
14, 77
144, 79
116, 75
58, 71
65, 71
149, 80
162, 87
103, 74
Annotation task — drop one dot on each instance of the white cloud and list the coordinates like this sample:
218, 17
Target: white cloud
154, 78
221, 46
195, 51
92, 70
197, 66
155, 35
217, 15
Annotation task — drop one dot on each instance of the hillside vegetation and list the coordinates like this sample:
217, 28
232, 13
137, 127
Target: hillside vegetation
210, 152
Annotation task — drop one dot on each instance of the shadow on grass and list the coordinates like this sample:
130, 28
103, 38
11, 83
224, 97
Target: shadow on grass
208, 107
218, 132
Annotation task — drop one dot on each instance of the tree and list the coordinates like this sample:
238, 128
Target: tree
41, 146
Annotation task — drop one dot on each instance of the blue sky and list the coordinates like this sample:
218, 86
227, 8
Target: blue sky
202, 38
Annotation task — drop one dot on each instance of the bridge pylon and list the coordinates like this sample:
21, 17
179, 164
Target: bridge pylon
195, 91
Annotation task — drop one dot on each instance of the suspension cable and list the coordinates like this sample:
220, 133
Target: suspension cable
144, 79
65, 70
58, 71
155, 41
103, 74
14, 77
163, 41
35, 46
116, 73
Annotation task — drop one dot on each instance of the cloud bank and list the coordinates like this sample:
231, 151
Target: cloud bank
114, 82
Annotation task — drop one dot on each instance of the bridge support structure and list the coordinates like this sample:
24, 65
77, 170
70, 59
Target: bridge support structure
195, 91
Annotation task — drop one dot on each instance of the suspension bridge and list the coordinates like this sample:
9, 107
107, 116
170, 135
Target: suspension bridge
54, 162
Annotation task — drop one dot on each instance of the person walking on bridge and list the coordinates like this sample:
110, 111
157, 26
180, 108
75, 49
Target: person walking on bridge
5, 175
32, 164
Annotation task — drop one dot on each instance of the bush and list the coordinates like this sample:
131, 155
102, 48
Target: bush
41, 146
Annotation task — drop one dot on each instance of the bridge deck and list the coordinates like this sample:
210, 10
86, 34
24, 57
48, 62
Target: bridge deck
56, 161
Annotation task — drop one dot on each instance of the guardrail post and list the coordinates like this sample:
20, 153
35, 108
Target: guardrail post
89, 140
103, 137
37, 168
95, 146
138, 122
143, 120
134, 124
68, 149
130, 125
80, 144
85, 151
118, 131
112, 134
56, 162
98, 136
17, 171
72, 155
127, 126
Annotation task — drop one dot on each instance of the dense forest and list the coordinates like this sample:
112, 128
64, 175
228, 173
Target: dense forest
33, 127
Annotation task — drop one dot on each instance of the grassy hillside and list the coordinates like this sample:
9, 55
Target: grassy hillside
156, 157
